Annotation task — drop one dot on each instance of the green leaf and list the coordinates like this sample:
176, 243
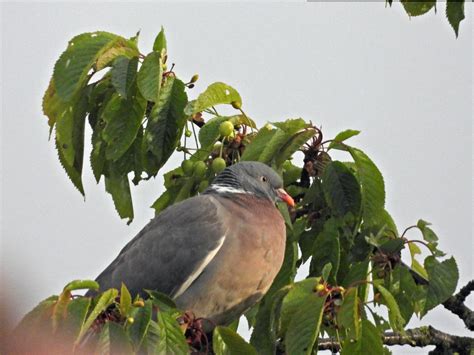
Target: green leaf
160, 42
373, 187
119, 187
123, 75
294, 299
163, 302
81, 285
326, 271
455, 13
70, 139
120, 47
125, 301
150, 77
113, 340
403, 288
304, 325
215, 94
326, 250
71, 69
294, 144
122, 121
53, 106
171, 338
342, 136
369, 343
259, 143
104, 300
357, 272
166, 123
416, 7
139, 327
394, 316
265, 326
228, 342
443, 278
348, 314
341, 189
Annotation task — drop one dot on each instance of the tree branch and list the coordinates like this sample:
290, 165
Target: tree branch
417, 337
456, 305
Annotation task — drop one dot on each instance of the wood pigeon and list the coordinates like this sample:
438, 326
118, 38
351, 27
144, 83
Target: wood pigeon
215, 254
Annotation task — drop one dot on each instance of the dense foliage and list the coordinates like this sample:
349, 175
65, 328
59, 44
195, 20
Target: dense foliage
139, 113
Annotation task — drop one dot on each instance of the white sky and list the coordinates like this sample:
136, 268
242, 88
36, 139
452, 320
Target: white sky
407, 84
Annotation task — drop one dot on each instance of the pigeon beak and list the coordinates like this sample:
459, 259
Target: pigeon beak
283, 195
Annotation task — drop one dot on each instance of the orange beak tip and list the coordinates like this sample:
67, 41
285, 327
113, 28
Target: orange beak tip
285, 197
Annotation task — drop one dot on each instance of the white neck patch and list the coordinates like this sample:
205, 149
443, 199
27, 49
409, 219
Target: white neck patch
228, 189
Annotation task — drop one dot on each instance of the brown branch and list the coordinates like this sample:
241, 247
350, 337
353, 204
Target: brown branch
418, 337
456, 305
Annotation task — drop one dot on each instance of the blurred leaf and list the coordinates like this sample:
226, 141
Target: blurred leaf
150, 76
139, 327
403, 288
71, 69
122, 119
77, 311
123, 74
81, 285
166, 123
348, 314
342, 136
125, 301
443, 278
60, 309
416, 7
160, 41
394, 316
304, 325
228, 342
455, 13
171, 338
113, 340
104, 300
38, 318
341, 189
215, 94
369, 343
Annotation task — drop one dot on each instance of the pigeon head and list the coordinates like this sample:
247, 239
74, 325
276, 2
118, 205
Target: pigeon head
251, 178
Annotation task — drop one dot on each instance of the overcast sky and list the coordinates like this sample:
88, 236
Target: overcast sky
406, 84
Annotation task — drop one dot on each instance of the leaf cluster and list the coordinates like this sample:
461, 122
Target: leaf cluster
140, 114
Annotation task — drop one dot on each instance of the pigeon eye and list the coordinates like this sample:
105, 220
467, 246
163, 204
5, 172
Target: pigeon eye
263, 178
